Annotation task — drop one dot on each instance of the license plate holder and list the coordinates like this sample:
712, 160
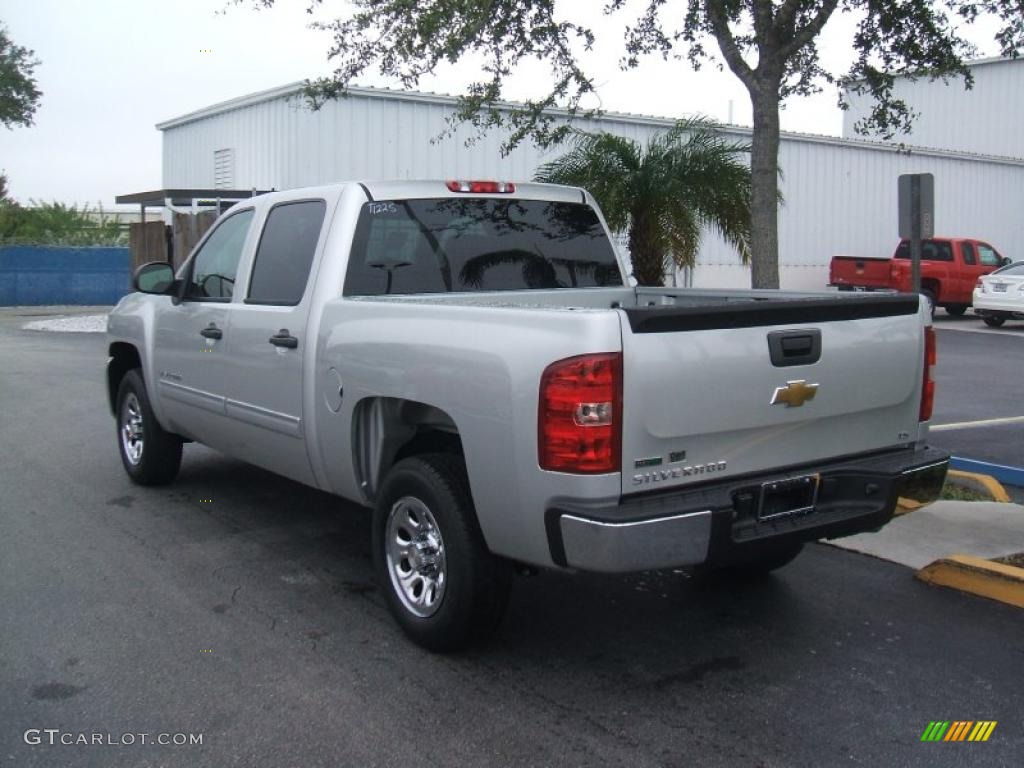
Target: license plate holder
786, 498
999, 287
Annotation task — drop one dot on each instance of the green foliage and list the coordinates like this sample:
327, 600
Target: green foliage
1009, 13
665, 194
407, 40
770, 45
57, 224
19, 96
952, 492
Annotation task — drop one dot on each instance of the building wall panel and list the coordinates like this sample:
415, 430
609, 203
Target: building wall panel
839, 196
984, 120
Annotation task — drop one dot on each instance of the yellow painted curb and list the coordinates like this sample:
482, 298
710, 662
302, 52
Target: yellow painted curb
904, 506
978, 576
989, 483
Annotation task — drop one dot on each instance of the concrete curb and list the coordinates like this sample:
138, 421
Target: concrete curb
1001, 472
979, 483
977, 576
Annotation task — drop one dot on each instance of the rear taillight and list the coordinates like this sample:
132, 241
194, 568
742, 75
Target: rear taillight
928, 385
980, 286
579, 425
482, 187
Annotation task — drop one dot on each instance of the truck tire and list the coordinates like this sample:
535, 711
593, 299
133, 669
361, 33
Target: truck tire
956, 310
993, 321
150, 454
442, 584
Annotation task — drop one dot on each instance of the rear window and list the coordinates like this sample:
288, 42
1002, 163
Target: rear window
1017, 268
478, 244
931, 250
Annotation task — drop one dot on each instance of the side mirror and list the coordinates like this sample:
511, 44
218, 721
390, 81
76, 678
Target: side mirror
154, 277
1005, 261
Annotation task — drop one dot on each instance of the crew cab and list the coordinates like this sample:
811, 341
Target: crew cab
950, 268
470, 360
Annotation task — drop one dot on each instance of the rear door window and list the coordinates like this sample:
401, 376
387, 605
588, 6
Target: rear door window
285, 253
478, 244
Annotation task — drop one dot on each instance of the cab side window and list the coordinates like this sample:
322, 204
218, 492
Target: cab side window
989, 257
212, 276
968, 251
285, 253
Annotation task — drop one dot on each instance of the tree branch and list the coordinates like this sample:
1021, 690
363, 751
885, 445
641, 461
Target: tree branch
809, 31
761, 10
727, 44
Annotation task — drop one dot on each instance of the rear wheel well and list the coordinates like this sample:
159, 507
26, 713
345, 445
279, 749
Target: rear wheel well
932, 286
123, 358
387, 430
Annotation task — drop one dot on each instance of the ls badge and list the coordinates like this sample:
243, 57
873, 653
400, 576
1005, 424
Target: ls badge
795, 393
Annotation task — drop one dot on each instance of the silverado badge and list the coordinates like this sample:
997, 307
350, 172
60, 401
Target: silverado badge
795, 393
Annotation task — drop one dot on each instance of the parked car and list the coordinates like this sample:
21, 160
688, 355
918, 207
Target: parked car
950, 267
999, 296
469, 359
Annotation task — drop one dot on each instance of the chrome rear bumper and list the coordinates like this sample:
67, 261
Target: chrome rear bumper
593, 545
716, 523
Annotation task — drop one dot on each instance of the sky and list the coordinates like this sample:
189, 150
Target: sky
111, 69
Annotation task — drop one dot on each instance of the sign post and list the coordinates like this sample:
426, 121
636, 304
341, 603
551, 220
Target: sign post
917, 217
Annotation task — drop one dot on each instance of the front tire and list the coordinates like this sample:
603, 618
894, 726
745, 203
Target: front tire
992, 321
442, 584
956, 310
150, 455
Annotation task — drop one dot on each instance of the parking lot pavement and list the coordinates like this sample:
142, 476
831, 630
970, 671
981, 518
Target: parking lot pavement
978, 378
240, 606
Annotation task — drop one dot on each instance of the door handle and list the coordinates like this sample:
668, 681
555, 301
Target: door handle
284, 339
211, 332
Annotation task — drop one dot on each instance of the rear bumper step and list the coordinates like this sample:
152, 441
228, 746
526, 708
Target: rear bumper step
719, 524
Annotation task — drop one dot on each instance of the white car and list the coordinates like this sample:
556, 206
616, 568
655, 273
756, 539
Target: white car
999, 295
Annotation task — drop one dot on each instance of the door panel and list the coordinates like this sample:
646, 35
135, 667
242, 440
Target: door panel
190, 335
268, 343
190, 368
264, 390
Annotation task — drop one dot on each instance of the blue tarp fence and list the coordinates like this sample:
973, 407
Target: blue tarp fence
44, 274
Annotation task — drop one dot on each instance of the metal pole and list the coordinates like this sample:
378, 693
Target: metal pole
915, 233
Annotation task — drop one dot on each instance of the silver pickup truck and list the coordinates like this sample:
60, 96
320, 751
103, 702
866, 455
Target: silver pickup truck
469, 360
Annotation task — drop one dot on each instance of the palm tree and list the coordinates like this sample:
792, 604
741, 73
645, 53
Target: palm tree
664, 196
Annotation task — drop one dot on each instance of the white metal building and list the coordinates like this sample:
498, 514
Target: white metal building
840, 195
985, 119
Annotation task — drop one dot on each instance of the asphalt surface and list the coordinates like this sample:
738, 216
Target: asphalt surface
978, 377
252, 619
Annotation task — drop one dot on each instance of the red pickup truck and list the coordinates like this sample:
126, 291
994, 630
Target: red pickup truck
950, 267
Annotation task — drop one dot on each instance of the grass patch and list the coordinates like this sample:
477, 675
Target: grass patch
1015, 560
952, 492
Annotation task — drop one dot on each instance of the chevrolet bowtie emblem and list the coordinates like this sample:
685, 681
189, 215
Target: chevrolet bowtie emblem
795, 393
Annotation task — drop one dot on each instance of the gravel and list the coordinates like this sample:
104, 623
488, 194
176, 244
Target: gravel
70, 324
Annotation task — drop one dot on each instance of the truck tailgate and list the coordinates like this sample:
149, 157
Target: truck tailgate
859, 272
745, 387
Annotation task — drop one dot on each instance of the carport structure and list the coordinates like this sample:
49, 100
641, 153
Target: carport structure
193, 211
